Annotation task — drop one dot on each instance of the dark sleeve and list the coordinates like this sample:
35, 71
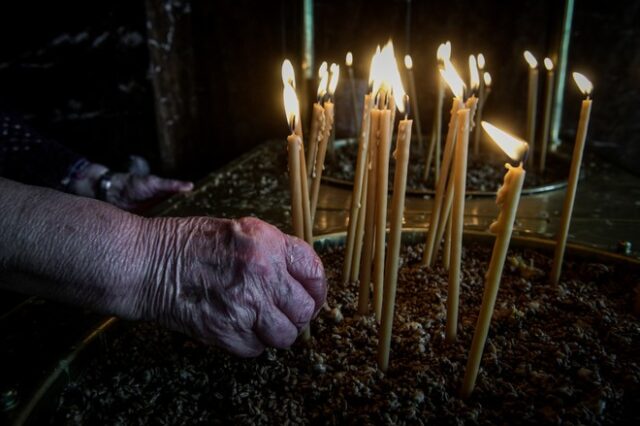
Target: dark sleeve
28, 157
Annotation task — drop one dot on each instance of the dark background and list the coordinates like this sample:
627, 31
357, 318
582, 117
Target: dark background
80, 71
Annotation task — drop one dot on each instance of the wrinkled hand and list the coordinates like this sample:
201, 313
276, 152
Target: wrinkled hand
131, 191
239, 284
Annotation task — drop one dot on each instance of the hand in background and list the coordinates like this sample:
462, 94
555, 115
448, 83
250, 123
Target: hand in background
131, 191
134, 192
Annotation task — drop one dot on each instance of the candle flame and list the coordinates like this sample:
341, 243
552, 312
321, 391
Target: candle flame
323, 73
386, 75
515, 148
408, 62
451, 76
392, 75
487, 79
349, 59
288, 75
335, 77
444, 51
291, 105
531, 60
481, 61
584, 84
474, 76
548, 64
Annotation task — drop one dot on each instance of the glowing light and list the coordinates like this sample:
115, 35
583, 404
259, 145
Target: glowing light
391, 75
288, 75
291, 105
335, 77
323, 73
408, 62
548, 64
386, 75
451, 76
474, 76
480, 61
515, 148
531, 60
584, 84
349, 59
444, 51
487, 79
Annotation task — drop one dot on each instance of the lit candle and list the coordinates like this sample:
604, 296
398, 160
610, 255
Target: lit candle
391, 78
365, 132
507, 198
532, 105
300, 210
456, 85
401, 156
288, 79
322, 147
408, 63
546, 124
482, 94
294, 145
465, 119
317, 119
349, 63
375, 81
445, 213
457, 223
581, 136
357, 204
443, 54
474, 83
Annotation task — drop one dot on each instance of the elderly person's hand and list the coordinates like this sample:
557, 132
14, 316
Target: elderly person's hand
239, 284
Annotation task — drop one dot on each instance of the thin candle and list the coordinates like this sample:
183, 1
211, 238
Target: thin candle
507, 198
443, 54
457, 223
445, 212
368, 197
581, 136
456, 85
408, 63
391, 80
546, 123
357, 204
483, 91
532, 104
294, 145
348, 61
318, 167
401, 156
317, 118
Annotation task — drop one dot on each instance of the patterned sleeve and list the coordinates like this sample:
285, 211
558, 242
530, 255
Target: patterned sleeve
28, 157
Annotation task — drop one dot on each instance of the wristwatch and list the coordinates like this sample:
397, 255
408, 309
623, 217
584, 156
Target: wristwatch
103, 185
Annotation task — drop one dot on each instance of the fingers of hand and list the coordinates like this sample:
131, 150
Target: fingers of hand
274, 328
294, 301
305, 266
